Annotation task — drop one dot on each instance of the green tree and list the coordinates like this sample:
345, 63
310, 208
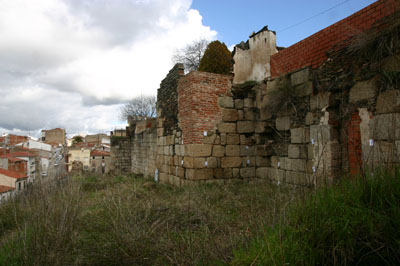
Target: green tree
217, 59
77, 139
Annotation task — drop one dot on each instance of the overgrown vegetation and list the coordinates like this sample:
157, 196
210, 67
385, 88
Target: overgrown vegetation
126, 220
216, 59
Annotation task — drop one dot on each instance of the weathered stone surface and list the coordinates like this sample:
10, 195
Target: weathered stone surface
297, 151
232, 139
275, 162
264, 150
209, 139
283, 123
218, 151
227, 128
304, 89
232, 150
198, 150
261, 127
212, 162
249, 114
300, 77
248, 161
264, 172
247, 172
296, 178
226, 102
322, 133
218, 173
310, 118
246, 150
293, 164
231, 162
235, 173
230, 115
320, 101
240, 115
248, 103
386, 127
263, 161
245, 126
364, 90
199, 162
391, 64
388, 102
239, 104
227, 172
300, 135
199, 174
310, 151
188, 162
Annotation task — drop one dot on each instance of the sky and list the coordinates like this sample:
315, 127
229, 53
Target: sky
74, 63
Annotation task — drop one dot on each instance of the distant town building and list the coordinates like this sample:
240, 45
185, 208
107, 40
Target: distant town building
79, 154
54, 136
100, 161
13, 179
11, 140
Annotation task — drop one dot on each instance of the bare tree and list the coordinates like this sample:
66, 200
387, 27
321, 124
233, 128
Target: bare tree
191, 55
140, 107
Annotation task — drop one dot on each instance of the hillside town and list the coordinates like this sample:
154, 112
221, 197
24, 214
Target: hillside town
24, 159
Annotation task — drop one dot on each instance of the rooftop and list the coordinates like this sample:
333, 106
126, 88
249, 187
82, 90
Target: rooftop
4, 189
99, 153
12, 174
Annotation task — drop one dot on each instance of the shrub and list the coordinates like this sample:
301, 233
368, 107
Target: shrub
217, 59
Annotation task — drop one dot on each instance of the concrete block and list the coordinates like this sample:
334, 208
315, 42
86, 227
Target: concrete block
388, 102
227, 127
283, 123
364, 90
248, 103
297, 151
199, 174
304, 89
300, 135
239, 104
248, 172
245, 126
386, 127
246, 150
300, 77
230, 115
218, 151
263, 161
232, 150
231, 162
320, 101
198, 150
226, 102
232, 139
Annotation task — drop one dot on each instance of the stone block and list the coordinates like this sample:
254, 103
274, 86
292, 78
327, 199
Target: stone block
248, 103
265, 172
282, 123
248, 161
320, 101
163, 178
228, 173
261, 127
218, 151
309, 168
240, 115
212, 162
235, 173
219, 173
297, 178
246, 150
245, 126
264, 150
304, 89
310, 151
322, 133
232, 139
263, 161
160, 131
227, 128
388, 102
223, 138
386, 127
275, 162
198, 150
170, 140
226, 102
300, 135
232, 150
180, 172
188, 162
242, 139
364, 90
391, 64
310, 118
300, 77
199, 162
239, 104
249, 114
209, 139
297, 151
199, 174
248, 172
231, 162
230, 115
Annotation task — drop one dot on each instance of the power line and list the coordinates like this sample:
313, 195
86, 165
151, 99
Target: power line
307, 19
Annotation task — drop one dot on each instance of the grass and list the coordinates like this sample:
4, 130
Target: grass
127, 220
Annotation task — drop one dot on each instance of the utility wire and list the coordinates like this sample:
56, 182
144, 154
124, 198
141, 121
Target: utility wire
307, 19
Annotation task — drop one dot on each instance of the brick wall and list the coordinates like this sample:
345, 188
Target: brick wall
312, 51
198, 94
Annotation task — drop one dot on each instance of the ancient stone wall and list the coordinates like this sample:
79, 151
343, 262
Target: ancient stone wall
121, 155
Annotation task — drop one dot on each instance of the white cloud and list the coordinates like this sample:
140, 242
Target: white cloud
72, 63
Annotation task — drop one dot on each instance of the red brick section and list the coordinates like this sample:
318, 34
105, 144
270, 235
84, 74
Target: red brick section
198, 94
354, 144
312, 50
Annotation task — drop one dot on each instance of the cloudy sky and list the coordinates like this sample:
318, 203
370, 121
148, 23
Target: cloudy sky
72, 63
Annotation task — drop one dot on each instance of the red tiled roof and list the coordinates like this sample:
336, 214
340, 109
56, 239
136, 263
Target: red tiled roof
12, 174
22, 154
5, 189
99, 153
11, 158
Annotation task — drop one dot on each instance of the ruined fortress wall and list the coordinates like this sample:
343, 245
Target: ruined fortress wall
312, 51
120, 155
